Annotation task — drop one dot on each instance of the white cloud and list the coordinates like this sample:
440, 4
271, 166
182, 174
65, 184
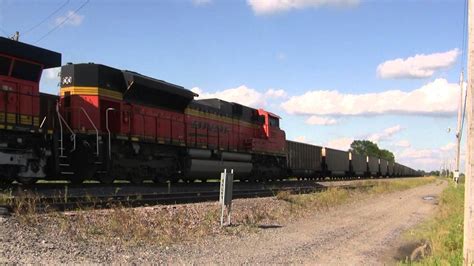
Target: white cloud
243, 95
321, 120
263, 7
403, 143
385, 134
51, 73
201, 2
70, 19
340, 143
429, 158
448, 147
273, 93
433, 99
301, 139
418, 66
412, 153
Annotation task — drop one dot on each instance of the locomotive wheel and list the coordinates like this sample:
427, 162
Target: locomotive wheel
76, 180
27, 180
106, 179
159, 179
135, 179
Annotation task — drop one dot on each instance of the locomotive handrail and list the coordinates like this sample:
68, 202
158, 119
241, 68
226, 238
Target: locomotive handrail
73, 135
42, 122
108, 130
95, 128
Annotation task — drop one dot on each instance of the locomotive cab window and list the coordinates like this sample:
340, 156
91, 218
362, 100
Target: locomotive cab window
5, 65
26, 71
273, 121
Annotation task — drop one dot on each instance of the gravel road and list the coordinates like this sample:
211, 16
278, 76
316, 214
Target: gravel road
361, 233
364, 232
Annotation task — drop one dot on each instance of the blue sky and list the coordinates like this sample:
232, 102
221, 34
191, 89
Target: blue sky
291, 59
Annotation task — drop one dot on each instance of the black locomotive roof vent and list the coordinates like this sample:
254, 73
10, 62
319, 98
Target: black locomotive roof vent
155, 92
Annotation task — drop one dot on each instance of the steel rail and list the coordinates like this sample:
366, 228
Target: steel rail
43, 203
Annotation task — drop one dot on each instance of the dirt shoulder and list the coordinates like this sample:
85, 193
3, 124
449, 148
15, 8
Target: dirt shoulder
363, 231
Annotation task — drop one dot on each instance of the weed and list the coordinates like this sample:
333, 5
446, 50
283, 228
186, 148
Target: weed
283, 195
444, 231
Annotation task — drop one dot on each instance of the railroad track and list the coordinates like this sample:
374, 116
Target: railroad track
63, 198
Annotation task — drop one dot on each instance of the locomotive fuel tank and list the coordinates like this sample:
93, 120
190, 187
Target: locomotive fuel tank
199, 168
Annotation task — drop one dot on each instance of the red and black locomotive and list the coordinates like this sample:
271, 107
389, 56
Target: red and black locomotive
109, 124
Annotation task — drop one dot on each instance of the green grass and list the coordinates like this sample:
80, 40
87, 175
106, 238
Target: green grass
444, 232
387, 185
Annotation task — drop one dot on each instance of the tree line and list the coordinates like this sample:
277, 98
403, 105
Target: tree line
369, 148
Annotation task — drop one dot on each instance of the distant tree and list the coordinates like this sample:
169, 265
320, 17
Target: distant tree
387, 155
369, 148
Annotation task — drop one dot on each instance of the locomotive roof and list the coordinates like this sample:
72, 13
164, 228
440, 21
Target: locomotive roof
133, 86
134, 78
29, 52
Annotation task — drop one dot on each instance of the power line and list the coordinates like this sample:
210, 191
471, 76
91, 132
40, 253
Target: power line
46, 19
64, 21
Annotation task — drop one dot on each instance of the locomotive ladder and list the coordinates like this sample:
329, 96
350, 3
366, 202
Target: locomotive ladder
63, 123
61, 131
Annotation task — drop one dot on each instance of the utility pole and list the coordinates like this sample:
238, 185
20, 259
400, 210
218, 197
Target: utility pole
468, 247
458, 132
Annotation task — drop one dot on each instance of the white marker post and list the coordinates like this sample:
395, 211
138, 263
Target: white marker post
225, 196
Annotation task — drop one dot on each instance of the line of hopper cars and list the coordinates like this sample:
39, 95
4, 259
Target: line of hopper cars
108, 124
310, 161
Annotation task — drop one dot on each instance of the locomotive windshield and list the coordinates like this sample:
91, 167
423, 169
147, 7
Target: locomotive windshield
273, 121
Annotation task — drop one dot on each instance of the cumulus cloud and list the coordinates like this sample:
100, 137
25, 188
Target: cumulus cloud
273, 93
301, 139
403, 143
201, 2
243, 95
70, 19
412, 153
343, 143
438, 97
320, 120
385, 134
429, 158
51, 73
448, 147
265, 7
418, 66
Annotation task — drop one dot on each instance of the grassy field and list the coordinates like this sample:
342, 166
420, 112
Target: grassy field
444, 231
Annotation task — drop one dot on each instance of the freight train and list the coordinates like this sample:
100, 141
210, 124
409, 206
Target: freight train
108, 124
